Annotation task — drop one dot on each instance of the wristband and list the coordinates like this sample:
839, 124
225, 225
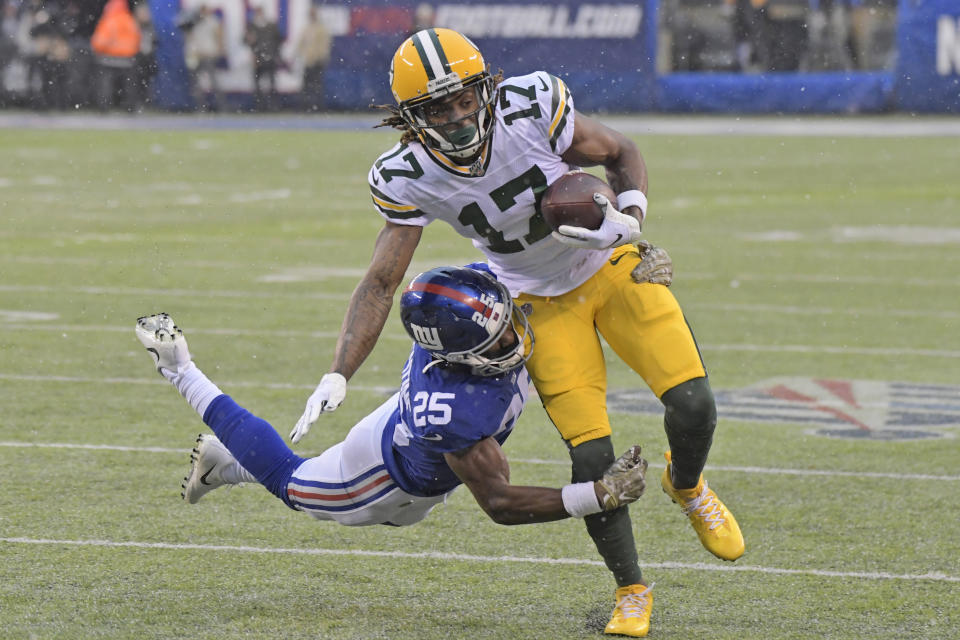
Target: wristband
580, 499
633, 198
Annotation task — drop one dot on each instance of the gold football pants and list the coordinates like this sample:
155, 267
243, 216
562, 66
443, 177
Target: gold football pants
641, 322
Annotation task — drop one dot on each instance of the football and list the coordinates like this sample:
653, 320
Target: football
569, 200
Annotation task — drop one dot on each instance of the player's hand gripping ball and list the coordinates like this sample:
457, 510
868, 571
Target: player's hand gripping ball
580, 209
569, 201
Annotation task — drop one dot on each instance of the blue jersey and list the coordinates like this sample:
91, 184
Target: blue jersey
443, 410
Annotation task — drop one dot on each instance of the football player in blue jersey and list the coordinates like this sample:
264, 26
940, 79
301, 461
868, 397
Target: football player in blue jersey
462, 389
477, 151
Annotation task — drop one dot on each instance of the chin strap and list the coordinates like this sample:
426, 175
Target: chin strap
431, 364
476, 169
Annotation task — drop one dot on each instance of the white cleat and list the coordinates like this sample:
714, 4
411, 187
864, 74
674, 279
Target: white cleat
165, 342
207, 463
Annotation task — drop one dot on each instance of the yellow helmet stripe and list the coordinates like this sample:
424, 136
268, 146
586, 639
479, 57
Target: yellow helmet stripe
431, 54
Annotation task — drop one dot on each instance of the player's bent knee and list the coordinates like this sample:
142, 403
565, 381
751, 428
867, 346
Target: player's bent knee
690, 407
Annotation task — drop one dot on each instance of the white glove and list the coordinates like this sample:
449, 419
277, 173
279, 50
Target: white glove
624, 481
617, 229
327, 397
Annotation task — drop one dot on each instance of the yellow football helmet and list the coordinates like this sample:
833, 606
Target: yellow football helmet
430, 66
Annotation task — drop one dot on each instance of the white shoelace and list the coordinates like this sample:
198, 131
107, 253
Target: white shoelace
635, 605
707, 508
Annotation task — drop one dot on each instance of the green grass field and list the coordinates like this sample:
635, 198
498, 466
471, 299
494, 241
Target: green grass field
797, 259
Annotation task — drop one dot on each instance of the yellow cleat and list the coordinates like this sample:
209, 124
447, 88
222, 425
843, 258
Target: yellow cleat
631, 615
715, 525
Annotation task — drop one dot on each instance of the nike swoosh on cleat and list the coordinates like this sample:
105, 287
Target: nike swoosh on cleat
203, 478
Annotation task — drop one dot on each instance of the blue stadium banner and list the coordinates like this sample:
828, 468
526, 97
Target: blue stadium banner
928, 71
604, 50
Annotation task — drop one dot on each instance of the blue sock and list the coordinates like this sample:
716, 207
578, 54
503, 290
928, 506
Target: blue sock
255, 444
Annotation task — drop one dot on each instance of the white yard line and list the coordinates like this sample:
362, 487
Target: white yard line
823, 278
845, 350
461, 557
822, 311
95, 328
737, 278
157, 381
534, 461
760, 250
746, 347
92, 447
178, 293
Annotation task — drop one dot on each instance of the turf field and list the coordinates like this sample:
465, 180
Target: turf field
820, 274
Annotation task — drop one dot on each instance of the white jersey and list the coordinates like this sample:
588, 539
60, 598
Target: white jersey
498, 210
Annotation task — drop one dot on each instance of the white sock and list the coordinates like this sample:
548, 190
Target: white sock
199, 391
236, 474
195, 387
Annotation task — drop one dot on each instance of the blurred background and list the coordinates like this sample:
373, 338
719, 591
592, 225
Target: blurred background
733, 56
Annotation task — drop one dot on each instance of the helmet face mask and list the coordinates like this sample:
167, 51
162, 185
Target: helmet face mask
431, 70
466, 317
489, 360
460, 137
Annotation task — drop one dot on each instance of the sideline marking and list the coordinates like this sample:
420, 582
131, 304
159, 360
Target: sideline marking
539, 461
933, 576
865, 126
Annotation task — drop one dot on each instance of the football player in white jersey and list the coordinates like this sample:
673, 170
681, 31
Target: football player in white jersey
462, 390
477, 151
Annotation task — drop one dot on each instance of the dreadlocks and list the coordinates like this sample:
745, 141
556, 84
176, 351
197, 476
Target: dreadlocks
395, 121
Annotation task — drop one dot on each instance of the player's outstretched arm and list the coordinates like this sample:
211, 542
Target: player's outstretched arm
484, 469
366, 314
372, 298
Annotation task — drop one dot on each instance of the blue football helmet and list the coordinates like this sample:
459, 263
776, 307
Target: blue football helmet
460, 314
